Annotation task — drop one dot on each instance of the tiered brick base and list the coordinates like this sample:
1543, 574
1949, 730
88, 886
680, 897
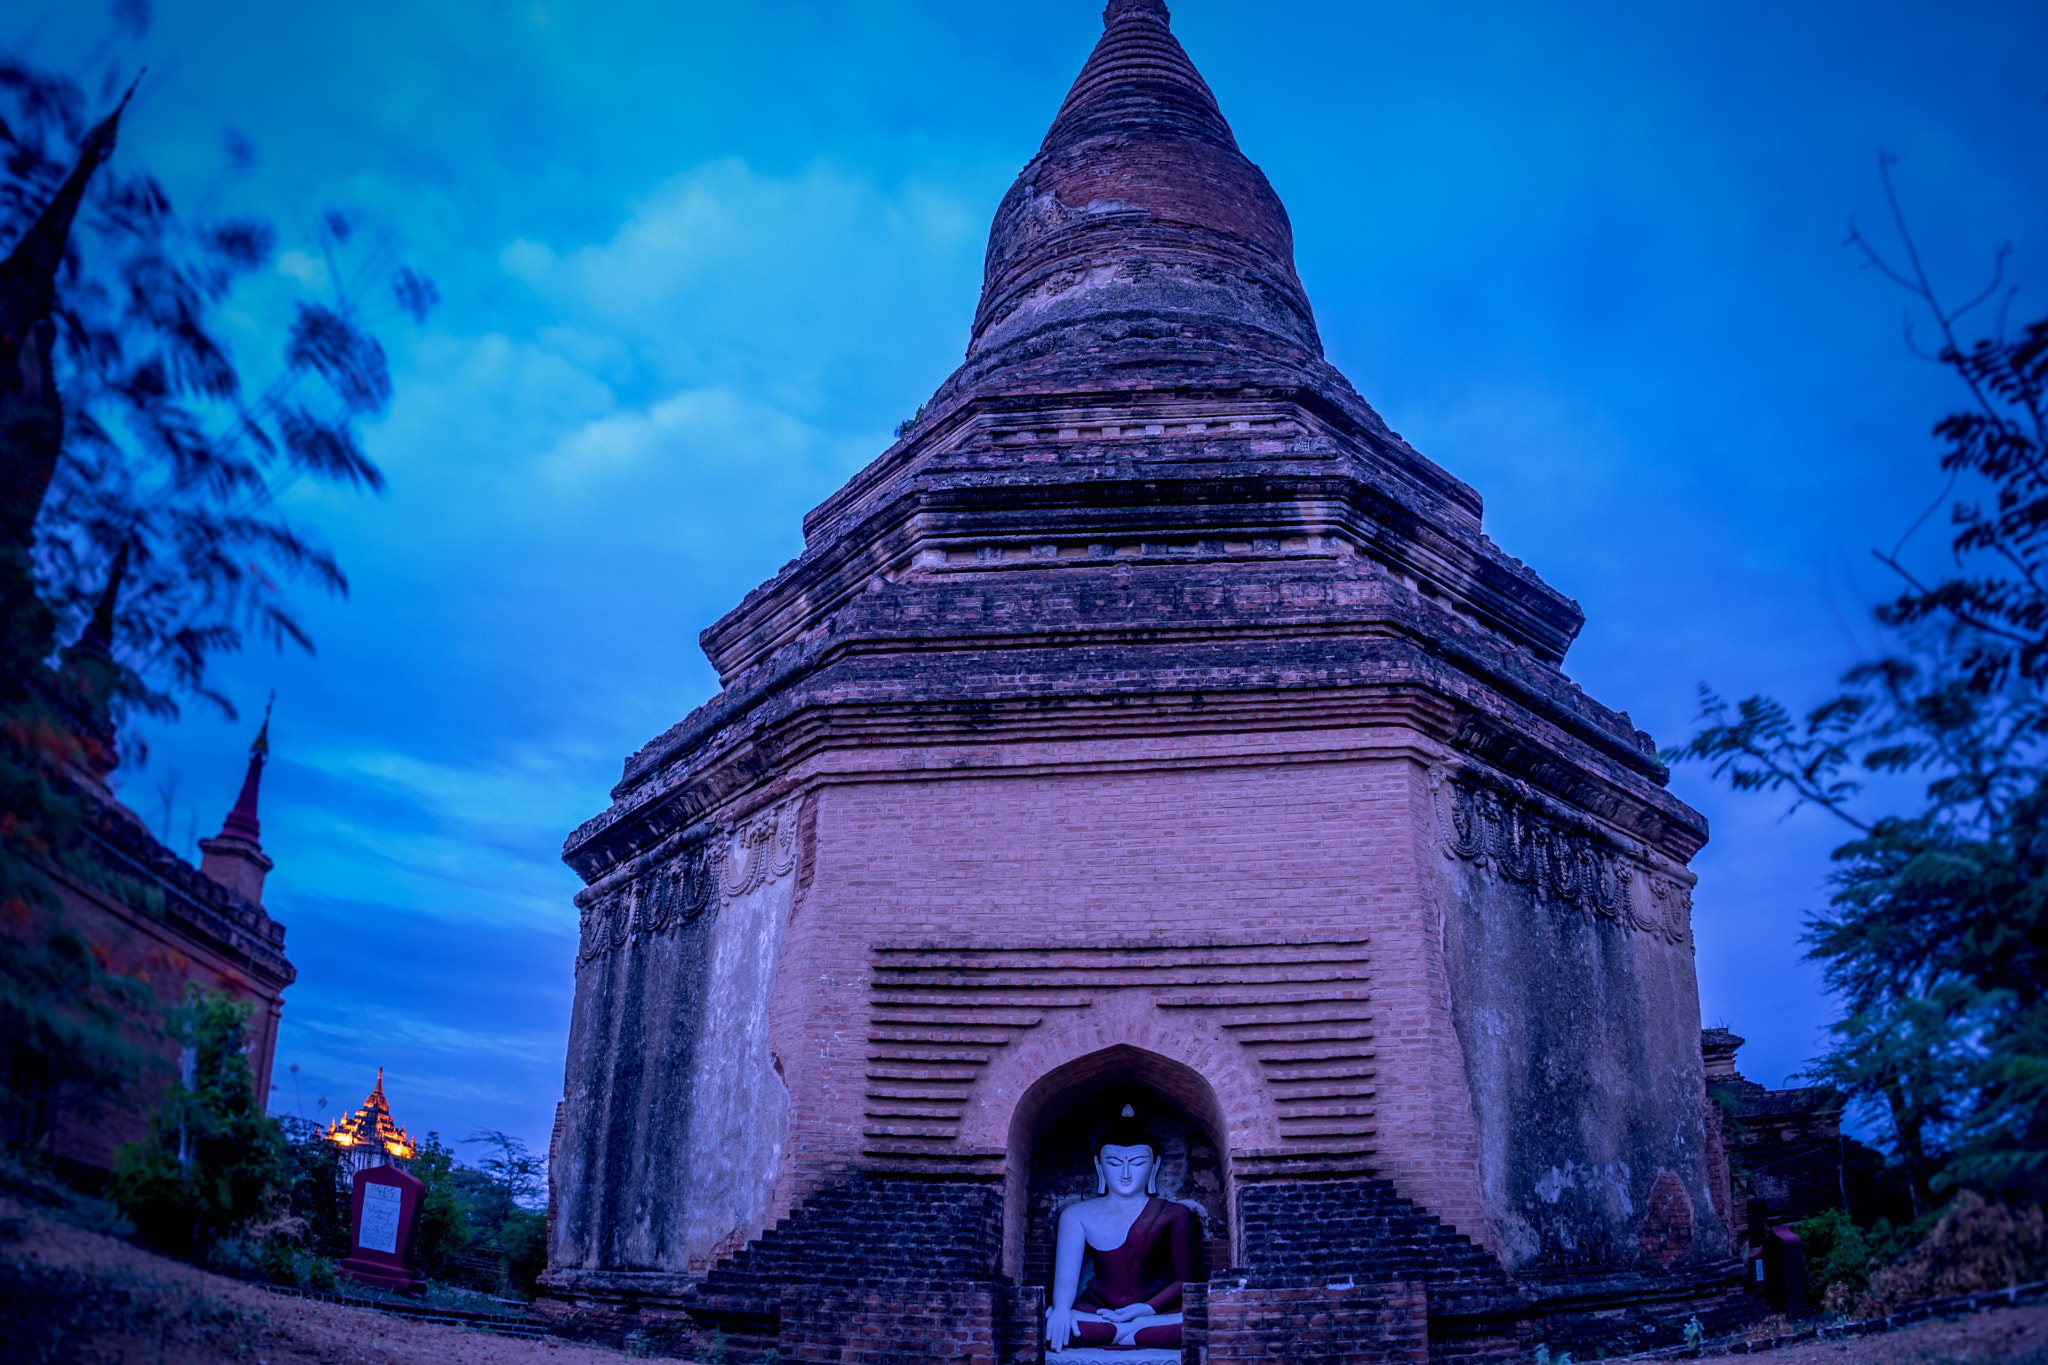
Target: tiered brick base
1340, 1271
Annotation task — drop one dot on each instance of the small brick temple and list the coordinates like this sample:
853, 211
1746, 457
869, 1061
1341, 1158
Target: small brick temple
1150, 724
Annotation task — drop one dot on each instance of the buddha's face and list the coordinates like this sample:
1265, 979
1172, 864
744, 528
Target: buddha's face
1125, 1170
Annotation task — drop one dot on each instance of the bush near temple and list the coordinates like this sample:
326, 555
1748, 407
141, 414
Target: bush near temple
505, 1186
314, 1191
443, 1231
1976, 1245
476, 1228
213, 1159
1841, 1256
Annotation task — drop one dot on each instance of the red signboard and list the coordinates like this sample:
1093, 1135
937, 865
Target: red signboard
384, 1211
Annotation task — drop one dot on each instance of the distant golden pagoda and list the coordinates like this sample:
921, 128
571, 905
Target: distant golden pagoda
370, 1137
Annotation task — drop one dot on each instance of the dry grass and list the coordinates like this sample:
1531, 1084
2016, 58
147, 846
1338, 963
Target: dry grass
2011, 1336
1976, 1246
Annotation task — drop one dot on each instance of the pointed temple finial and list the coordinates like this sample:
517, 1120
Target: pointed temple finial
241, 822
31, 419
98, 634
234, 857
88, 679
30, 270
259, 747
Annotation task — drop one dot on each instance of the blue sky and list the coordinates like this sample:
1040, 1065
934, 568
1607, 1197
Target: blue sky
697, 261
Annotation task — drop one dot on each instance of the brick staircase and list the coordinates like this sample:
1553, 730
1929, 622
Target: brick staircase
1360, 1228
883, 1260
1360, 1232
866, 1232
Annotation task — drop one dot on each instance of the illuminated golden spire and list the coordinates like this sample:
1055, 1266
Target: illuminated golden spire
372, 1127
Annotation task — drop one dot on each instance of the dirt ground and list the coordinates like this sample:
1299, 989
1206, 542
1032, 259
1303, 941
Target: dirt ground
2018, 1335
72, 1297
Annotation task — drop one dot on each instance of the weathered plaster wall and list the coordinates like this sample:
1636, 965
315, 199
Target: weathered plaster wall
1575, 1003
675, 1117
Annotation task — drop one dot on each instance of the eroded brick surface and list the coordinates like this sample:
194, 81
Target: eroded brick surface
1310, 1323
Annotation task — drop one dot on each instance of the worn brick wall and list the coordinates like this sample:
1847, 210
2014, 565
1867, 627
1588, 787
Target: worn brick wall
878, 1241
1313, 1323
890, 1322
1576, 1008
189, 943
1191, 845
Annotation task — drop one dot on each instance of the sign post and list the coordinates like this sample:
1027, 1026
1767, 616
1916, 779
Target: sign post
383, 1214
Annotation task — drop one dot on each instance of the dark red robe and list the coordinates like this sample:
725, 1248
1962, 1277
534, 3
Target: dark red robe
1152, 1266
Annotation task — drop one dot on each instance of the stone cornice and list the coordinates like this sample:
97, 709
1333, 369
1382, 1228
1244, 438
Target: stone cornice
1142, 599
1197, 482
1030, 661
1323, 400
193, 904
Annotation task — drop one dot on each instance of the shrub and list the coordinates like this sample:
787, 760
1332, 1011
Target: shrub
212, 1160
1974, 1246
523, 1242
1837, 1253
314, 1191
443, 1232
271, 1255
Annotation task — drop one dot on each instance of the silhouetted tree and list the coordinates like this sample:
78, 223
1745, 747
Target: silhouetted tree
504, 1218
1937, 937
166, 452
138, 483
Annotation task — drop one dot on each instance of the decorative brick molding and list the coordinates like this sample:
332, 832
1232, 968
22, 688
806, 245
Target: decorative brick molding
1565, 862
675, 890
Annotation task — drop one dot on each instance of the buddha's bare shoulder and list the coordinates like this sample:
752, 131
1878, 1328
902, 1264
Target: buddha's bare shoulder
1086, 1209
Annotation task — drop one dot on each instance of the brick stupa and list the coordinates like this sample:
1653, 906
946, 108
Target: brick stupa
1150, 724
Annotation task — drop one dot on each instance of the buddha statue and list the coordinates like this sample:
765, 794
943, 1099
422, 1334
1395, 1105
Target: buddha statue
1141, 1249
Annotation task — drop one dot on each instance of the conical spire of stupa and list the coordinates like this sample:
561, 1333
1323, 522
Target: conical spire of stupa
89, 679
235, 857
98, 635
1139, 225
1138, 71
242, 822
28, 276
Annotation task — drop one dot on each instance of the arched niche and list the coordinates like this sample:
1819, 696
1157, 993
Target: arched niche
1049, 1163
